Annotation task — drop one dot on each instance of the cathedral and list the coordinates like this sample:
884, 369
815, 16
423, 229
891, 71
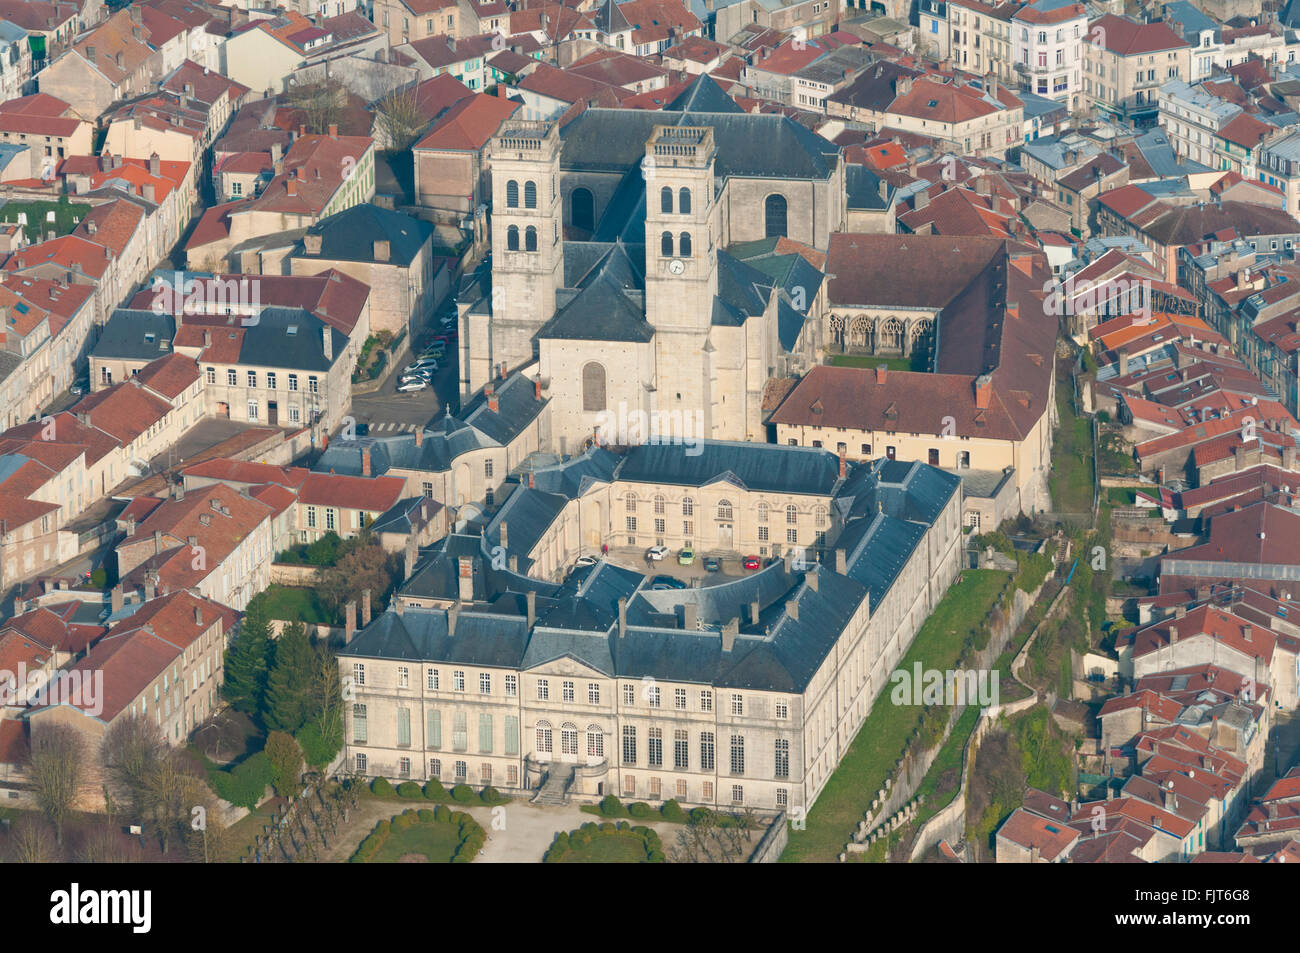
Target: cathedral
642, 261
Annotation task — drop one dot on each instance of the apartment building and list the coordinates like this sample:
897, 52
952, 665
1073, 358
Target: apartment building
1192, 117
1048, 37
1126, 62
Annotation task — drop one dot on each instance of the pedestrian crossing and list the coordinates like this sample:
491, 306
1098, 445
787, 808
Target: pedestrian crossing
391, 427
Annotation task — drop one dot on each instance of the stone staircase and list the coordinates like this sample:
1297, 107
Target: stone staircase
555, 786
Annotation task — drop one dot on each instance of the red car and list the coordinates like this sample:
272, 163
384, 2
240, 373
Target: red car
751, 562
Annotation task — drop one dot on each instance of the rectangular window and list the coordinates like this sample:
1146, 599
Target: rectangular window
361, 764
655, 748
593, 693
737, 705
512, 685
706, 700
270, 380
782, 754
359, 732
629, 744
311, 387
706, 793
435, 767
293, 382
431, 679
681, 752
252, 378
679, 699
706, 751
782, 710
737, 754
459, 733
782, 797
403, 676
629, 694
403, 727
359, 673
433, 724
737, 794
512, 734
629, 786
487, 469
566, 691
462, 772
232, 378
543, 690
212, 375
484, 683
485, 733
512, 775
457, 681
652, 696
656, 791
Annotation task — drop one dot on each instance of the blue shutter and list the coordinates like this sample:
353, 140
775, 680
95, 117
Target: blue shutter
434, 729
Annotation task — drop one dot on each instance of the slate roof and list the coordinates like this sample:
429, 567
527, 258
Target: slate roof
350, 235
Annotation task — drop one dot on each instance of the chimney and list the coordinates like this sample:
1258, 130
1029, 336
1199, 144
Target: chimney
381, 250
453, 617
532, 480
365, 608
349, 621
419, 436
690, 616
115, 598
1180, 611
465, 580
365, 461
792, 609
1247, 632
334, 131
150, 586
622, 616
494, 403
92, 228
1173, 635
810, 579
844, 466
1288, 457
157, 541
531, 598
504, 543
983, 391
155, 164
311, 244
729, 633
753, 612
841, 561
881, 371
537, 389
411, 556
327, 343
291, 187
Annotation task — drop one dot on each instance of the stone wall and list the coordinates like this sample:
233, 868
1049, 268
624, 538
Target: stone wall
772, 845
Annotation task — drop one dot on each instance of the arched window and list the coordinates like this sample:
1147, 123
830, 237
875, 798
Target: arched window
684, 244
819, 517
530, 239
595, 741
665, 199
684, 201
688, 507
582, 210
543, 737
791, 514
724, 509
530, 195
593, 386
568, 738
666, 244
512, 194
762, 512
512, 238
774, 216
659, 505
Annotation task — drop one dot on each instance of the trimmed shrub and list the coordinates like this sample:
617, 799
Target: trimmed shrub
490, 795
607, 827
672, 811
611, 806
623, 826
434, 791
426, 816
245, 785
442, 814
463, 794
381, 787
699, 815
655, 857
640, 809
409, 789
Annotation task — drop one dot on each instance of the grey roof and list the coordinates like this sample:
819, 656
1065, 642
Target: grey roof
609, 303
1050, 150
290, 337
703, 96
1159, 154
134, 333
1036, 105
863, 189
754, 466
9, 362
1190, 22
609, 19
399, 518
350, 235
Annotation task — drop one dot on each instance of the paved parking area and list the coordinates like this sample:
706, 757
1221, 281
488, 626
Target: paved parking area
694, 575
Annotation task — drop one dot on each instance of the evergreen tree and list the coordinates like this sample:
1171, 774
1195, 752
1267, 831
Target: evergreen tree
289, 683
247, 661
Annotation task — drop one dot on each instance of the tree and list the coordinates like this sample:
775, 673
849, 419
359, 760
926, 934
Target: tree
288, 685
399, 119
103, 845
319, 105
286, 763
365, 567
246, 660
174, 791
32, 841
132, 750
321, 735
56, 769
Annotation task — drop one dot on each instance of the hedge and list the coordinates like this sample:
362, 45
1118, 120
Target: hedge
434, 791
462, 793
381, 787
245, 785
472, 836
409, 789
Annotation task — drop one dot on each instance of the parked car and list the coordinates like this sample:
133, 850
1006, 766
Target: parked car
423, 364
447, 320
414, 384
435, 351
686, 557
666, 582
586, 561
77, 389
752, 562
656, 553
712, 564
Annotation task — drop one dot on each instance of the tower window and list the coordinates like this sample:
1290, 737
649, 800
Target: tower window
512, 238
774, 214
512, 194
530, 195
684, 244
684, 201
530, 239
666, 200
666, 244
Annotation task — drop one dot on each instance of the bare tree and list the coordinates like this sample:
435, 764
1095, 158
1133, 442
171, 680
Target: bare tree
399, 119
319, 104
31, 841
56, 770
132, 752
173, 793
102, 845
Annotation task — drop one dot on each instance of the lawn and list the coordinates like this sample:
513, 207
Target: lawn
64, 213
621, 847
888, 727
292, 603
869, 360
1122, 495
436, 842
1070, 481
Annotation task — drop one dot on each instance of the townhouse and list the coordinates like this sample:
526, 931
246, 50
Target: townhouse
47, 130
262, 53
113, 61
1126, 62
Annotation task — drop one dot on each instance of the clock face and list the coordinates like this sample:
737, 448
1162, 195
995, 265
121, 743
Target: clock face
676, 266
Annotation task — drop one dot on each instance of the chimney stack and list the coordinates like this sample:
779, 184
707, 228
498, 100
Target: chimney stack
729, 633
365, 608
453, 617
504, 542
349, 621
531, 598
327, 343
690, 616
622, 616
465, 580
365, 461
841, 561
